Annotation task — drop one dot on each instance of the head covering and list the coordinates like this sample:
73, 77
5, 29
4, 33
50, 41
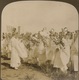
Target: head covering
14, 30
65, 29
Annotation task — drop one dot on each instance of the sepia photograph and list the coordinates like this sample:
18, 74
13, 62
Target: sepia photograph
39, 41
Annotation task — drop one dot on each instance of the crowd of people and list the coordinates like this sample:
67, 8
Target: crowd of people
58, 48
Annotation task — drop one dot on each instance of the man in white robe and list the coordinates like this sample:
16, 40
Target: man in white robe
15, 58
62, 55
74, 52
17, 52
65, 55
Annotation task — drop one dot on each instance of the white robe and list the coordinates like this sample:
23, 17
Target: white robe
50, 51
75, 60
65, 54
41, 53
76, 56
41, 47
23, 53
18, 51
15, 58
74, 52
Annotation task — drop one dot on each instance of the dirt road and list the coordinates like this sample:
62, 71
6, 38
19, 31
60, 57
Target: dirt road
23, 73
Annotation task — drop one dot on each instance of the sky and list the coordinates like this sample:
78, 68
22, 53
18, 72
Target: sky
32, 16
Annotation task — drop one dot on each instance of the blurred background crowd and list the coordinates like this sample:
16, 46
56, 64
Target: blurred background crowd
46, 47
